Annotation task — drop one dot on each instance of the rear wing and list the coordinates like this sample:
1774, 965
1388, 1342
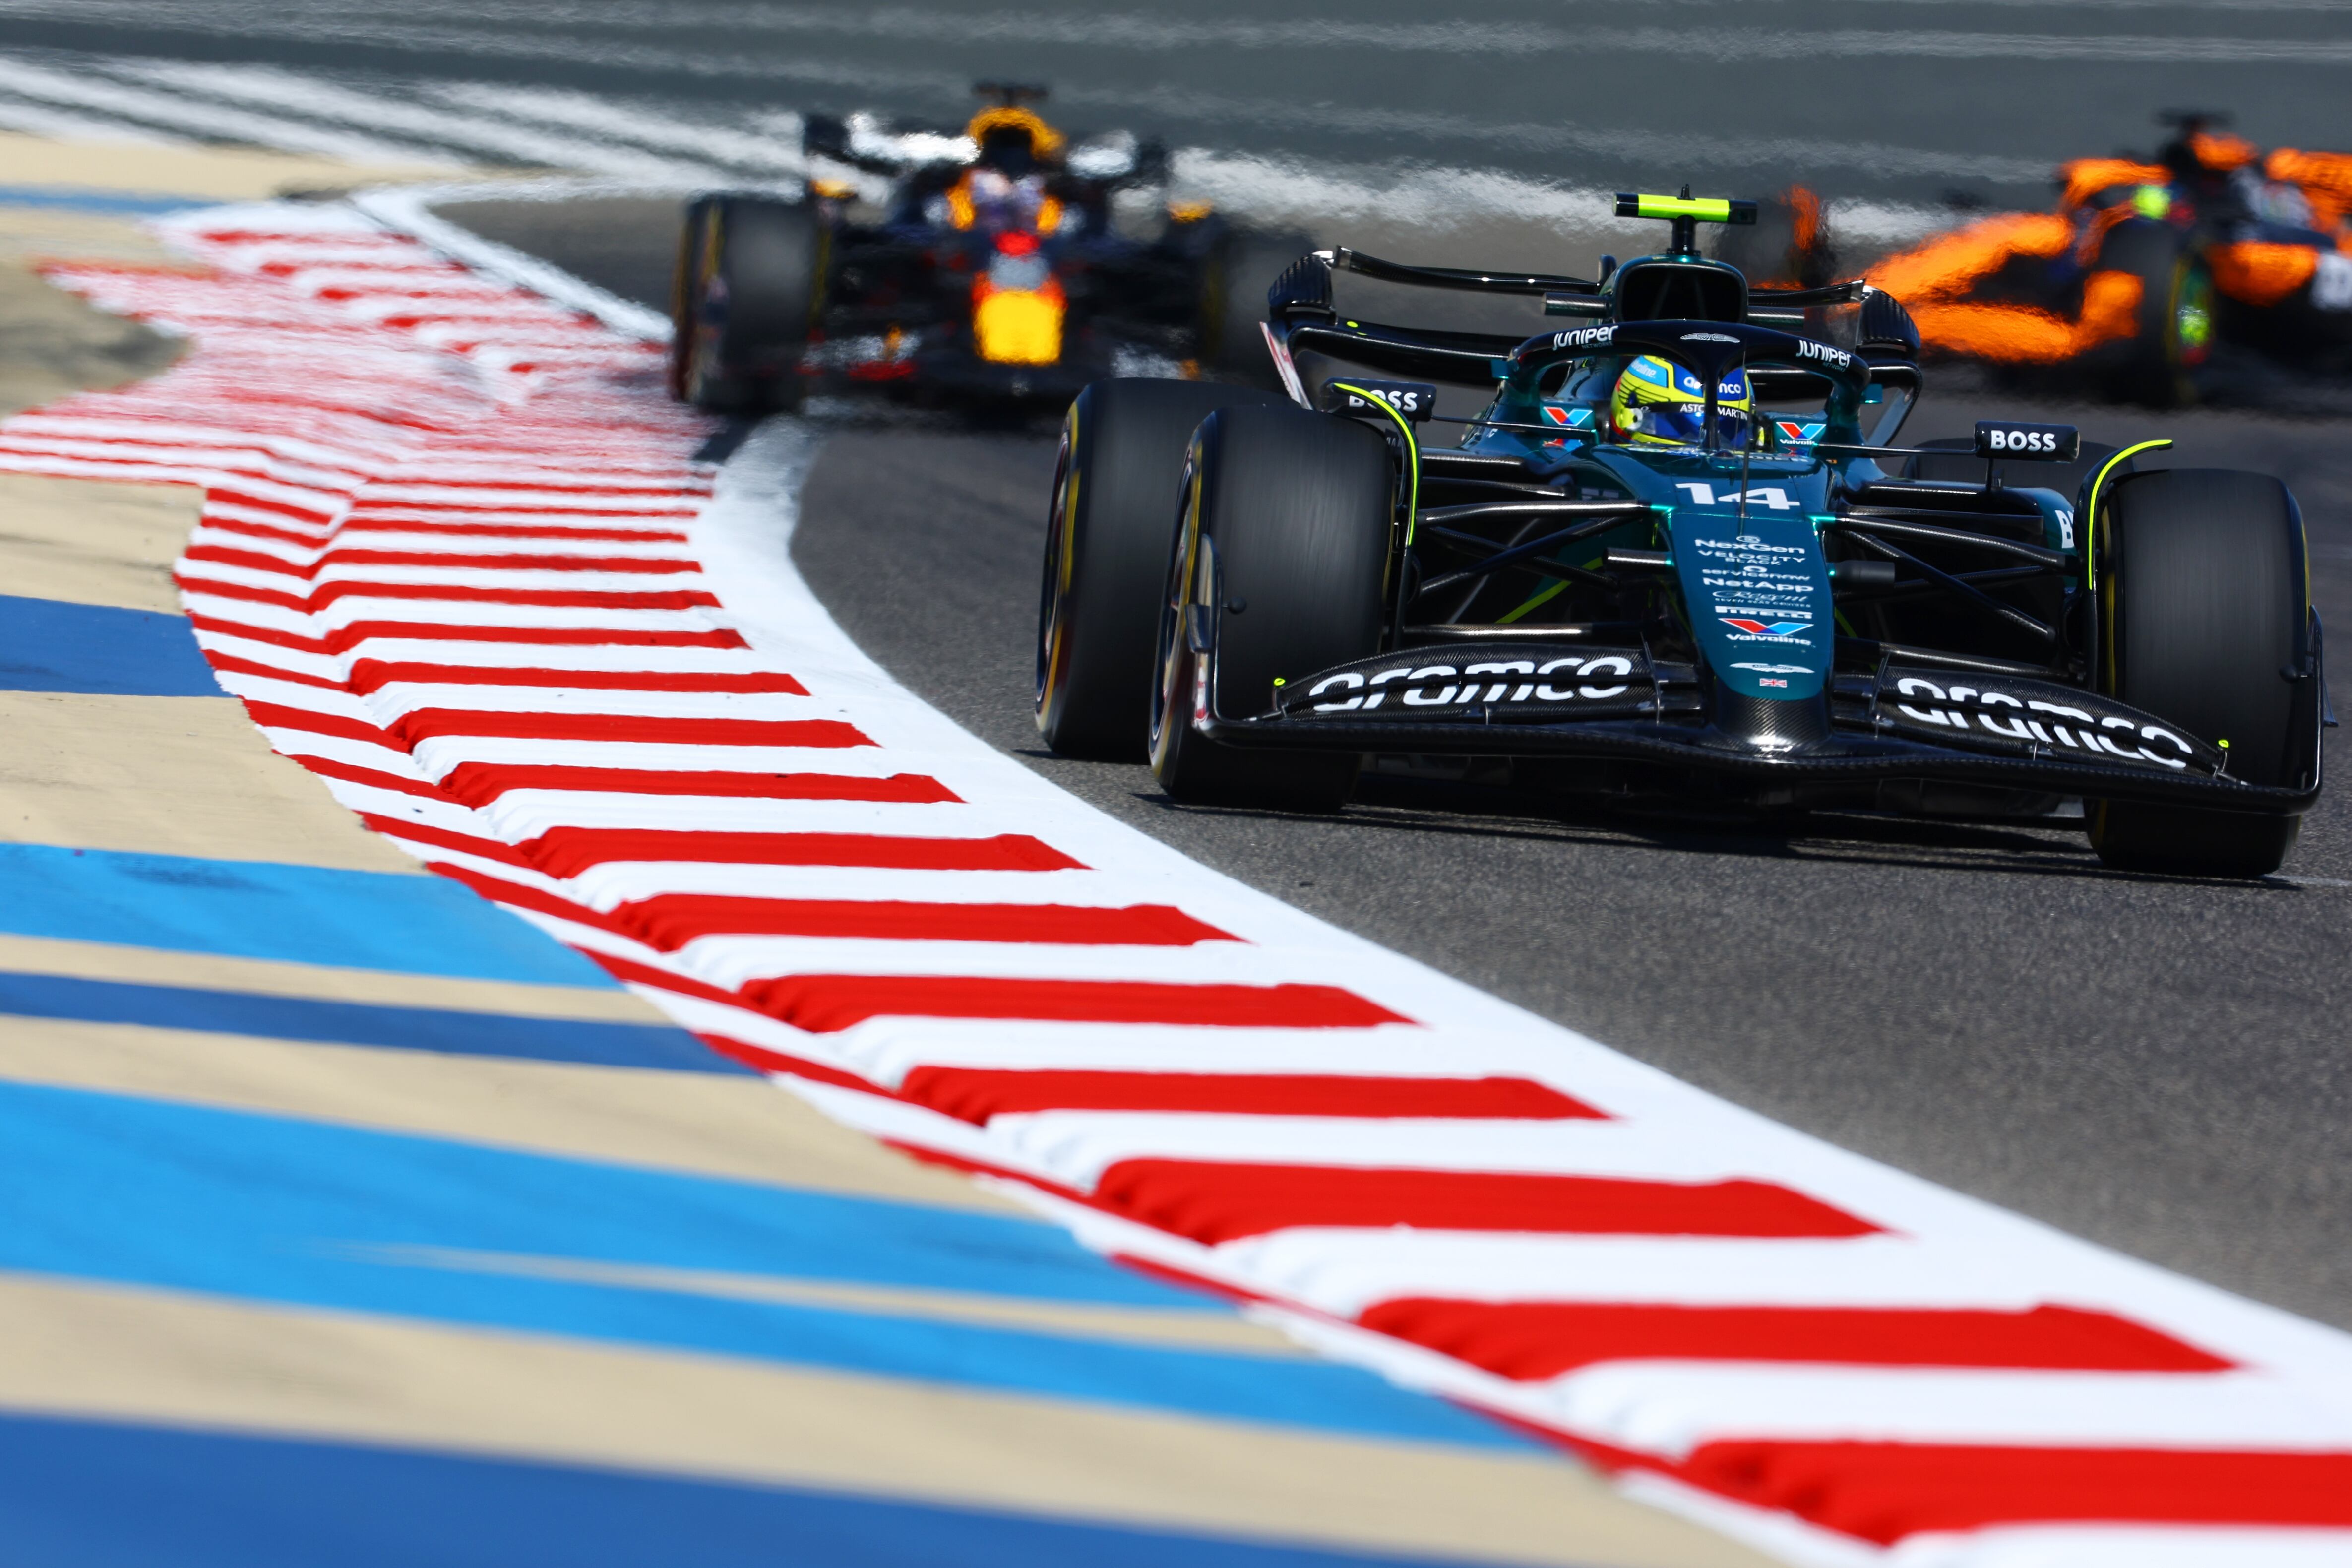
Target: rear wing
1300, 316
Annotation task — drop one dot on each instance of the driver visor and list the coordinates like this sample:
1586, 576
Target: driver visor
1686, 423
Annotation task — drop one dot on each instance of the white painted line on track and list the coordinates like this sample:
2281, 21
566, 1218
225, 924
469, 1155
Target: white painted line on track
408, 209
196, 118
501, 139
605, 120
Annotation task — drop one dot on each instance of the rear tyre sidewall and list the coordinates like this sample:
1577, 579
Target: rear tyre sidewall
1296, 510
2202, 601
684, 294
1117, 486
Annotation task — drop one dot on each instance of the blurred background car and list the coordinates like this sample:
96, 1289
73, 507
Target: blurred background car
2147, 266
1006, 264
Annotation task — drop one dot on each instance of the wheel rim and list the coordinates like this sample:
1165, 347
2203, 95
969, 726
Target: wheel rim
1052, 639
2192, 315
1168, 696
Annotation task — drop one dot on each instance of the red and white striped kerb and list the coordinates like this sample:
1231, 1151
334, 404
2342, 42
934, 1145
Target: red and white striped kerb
458, 559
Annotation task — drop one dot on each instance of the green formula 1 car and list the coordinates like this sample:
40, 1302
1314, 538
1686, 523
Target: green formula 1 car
1677, 554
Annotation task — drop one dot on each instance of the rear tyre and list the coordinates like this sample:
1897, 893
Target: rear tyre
2163, 363
1115, 487
1285, 541
1240, 268
2203, 604
745, 298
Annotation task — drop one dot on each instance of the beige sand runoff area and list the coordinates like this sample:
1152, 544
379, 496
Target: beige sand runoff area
406, 1194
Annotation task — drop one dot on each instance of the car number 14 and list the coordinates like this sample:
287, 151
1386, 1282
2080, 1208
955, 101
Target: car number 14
1771, 498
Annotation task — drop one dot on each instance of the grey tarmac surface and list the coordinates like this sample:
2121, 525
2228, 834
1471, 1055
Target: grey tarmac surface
2160, 1065
1897, 101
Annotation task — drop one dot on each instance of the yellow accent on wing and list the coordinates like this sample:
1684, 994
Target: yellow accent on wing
1411, 454
2091, 506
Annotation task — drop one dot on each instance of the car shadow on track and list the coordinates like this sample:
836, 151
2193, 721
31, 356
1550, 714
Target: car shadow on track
2049, 849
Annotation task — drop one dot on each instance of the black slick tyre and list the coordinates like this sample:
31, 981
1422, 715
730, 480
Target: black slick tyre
2203, 607
1284, 545
1239, 269
2163, 363
745, 298
1115, 487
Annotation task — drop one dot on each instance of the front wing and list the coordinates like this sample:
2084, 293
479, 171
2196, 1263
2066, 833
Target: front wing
1569, 701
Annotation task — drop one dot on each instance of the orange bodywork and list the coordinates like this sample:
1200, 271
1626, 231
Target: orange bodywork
2222, 153
2021, 334
2325, 179
1936, 280
2086, 178
1043, 139
1947, 266
2260, 274
1806, 209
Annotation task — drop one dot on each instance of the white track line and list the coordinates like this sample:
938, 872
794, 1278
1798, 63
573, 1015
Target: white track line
140, 106
63, 125
628, 122
472, 132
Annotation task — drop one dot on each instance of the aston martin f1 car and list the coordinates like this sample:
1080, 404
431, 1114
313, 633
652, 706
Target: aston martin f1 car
989, 265
2147, 264
1677, 554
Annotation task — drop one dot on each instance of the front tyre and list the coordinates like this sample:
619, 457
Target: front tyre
1283, 546
744, 301
2204, 606
1113, 512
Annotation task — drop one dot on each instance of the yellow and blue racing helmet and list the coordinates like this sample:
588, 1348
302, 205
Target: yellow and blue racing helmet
1659, 403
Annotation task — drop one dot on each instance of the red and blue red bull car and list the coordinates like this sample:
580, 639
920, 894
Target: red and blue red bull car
1003, 264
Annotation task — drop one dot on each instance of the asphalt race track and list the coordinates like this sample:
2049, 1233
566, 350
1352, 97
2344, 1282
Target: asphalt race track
2155, 1064
1888, 100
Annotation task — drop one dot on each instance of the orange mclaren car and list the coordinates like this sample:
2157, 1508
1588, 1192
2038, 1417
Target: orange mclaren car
2146, 265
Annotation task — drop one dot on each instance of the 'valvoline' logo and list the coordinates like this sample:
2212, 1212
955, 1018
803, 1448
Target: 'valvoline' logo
1767, 629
